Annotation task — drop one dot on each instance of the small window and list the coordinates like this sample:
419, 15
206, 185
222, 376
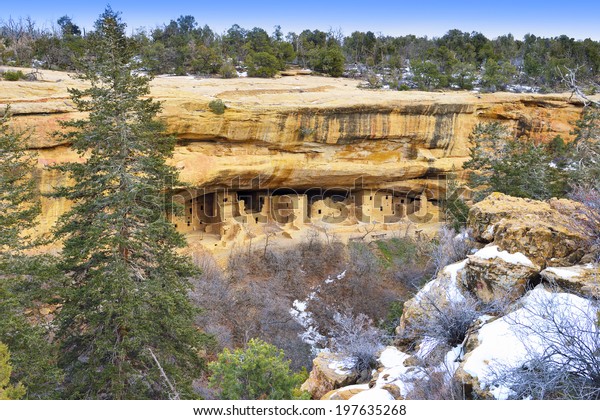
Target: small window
201, 207
319, 211
190, 210
188, 223
381, 208
371, 198
225, 200
387, 197
256, 219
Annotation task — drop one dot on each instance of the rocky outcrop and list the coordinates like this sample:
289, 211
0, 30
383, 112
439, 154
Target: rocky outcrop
345, 393
542, 315
557, 326
446, 289
579, 279
489, 275
543, 231
299, 132
330, 371
494, 275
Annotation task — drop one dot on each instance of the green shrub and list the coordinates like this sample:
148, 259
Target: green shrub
217, 106
228, 70
397, 250
262, 64
328, 60
258, 372
13, 75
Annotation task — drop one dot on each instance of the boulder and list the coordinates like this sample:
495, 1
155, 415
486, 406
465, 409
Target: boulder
345, 393
330, 371
578, 279
447, 287
494, 275
544, 324
542, 230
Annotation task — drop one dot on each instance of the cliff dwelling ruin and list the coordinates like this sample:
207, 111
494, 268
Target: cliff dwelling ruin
224, 214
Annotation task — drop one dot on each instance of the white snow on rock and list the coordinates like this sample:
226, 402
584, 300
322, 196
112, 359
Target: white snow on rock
565, 272
490, 252
509, 342
453, 293
392, 357
343, 366
451, 361
404, 377
427, 345
445, 281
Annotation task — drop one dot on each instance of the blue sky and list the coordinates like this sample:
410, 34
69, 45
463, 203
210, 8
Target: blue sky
575, 18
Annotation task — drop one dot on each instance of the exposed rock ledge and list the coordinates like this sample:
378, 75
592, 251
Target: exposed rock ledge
299, 132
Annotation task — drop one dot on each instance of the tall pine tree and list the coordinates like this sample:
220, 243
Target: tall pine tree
19, 205
126, 324
25, 281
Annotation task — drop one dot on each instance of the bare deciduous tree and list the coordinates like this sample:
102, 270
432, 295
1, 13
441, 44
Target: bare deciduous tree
562, 339
357, 337
451, 247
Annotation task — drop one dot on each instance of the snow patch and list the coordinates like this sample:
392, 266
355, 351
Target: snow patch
508, 342
453, 293
299, 313
492, 251
392, 357
343, 366
565, 272
404, 377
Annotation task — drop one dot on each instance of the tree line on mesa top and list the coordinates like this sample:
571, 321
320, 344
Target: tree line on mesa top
457, 60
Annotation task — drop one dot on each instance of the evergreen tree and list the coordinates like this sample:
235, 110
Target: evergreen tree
455, 208
7, 391
501, 163
19, 205
126, 300
25, 282
258, 372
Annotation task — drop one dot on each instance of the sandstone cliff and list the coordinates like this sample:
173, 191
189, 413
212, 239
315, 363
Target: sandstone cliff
300, 132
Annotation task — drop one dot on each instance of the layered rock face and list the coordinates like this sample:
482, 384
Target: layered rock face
300, 132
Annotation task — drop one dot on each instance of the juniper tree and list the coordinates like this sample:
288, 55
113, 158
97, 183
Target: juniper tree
126, 300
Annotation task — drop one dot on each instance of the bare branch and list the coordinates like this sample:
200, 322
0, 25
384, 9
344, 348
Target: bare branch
174, 395
568, 77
